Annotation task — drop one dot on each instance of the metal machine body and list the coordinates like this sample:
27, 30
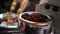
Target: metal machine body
51, 7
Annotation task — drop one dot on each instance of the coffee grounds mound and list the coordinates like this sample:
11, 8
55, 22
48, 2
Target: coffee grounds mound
35, 17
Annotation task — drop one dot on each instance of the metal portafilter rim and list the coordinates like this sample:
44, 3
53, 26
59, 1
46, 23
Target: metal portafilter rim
40, 24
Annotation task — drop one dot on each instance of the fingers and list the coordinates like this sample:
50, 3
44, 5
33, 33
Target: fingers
13, 5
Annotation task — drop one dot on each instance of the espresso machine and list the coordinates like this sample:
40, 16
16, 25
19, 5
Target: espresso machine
52, 8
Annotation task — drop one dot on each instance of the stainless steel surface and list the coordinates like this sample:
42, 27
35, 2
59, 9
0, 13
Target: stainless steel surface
6, 24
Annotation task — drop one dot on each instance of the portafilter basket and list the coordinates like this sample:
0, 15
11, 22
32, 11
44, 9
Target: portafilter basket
33, 22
